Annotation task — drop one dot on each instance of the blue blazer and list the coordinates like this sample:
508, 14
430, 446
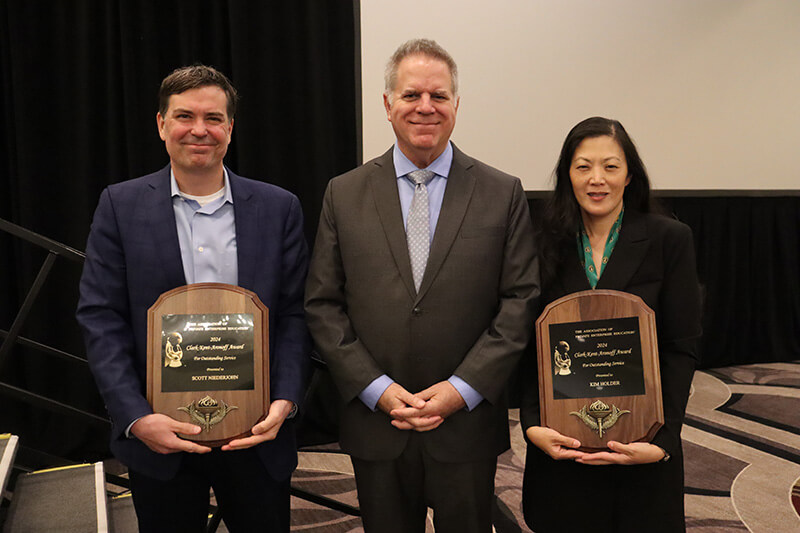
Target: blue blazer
133, 256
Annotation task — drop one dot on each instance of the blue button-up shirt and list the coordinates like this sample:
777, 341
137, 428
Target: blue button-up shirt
207, 236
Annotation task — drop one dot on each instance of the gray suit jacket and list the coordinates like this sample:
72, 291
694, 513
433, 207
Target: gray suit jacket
472, 317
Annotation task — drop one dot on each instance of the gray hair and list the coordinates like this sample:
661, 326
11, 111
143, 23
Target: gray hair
425, 47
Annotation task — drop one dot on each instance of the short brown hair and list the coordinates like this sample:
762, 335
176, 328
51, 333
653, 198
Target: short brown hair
184, 78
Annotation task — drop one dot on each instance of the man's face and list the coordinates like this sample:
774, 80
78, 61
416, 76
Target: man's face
422, 108
196, 129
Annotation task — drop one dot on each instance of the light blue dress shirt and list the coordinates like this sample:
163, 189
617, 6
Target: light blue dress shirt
436, 187
207, 236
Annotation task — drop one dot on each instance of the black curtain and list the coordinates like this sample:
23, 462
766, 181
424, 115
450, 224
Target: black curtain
748, 260
78, 83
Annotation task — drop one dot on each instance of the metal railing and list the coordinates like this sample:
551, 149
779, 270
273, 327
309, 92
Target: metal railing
57, 250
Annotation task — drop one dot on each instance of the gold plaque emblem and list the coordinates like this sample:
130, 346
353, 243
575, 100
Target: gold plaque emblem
561, 360
173, 352
599, 416
207, 411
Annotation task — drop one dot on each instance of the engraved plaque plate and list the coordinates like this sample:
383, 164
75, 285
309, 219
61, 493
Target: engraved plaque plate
211, 352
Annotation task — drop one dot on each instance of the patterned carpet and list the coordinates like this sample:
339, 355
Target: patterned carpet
742, 454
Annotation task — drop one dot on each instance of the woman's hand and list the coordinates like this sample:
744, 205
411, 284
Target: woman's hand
554, 444
635, 453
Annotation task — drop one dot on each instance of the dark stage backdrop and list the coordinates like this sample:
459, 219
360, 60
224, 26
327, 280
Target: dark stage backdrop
748, 260
78, 83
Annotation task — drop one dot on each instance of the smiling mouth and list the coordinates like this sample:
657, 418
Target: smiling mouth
598, 195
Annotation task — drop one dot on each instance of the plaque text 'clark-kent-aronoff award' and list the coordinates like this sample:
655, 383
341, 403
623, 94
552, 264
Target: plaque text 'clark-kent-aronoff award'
598, 368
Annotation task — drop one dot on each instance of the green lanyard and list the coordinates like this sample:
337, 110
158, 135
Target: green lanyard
585, 250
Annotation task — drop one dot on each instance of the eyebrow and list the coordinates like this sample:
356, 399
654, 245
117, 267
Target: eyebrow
189, 111
580, 157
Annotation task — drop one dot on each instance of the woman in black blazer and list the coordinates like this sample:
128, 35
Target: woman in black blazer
600, 216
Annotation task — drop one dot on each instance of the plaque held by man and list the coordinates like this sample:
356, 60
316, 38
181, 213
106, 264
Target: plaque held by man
208, 359
599, 376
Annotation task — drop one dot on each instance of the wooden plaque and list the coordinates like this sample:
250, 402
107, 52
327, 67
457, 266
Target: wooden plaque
599, 376
208, 359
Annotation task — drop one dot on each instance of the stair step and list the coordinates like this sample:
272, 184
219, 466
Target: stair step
8, 450
121, 514
68, 499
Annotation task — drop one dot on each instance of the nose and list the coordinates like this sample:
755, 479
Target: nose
597, 176
425, 105
199, 127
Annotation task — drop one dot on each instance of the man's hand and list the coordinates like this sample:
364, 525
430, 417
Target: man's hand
553, 443
441, 400
158, 432
396, 397
265, 430
635, 453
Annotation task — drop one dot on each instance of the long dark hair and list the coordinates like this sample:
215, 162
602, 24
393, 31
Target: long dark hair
562, 214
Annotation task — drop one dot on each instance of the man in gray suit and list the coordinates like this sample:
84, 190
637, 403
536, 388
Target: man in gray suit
421, 299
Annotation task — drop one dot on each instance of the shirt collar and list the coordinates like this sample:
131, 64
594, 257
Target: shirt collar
440, 166
175, 191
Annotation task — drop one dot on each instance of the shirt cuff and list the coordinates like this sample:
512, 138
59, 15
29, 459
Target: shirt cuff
471, 397
128, 433
373, 392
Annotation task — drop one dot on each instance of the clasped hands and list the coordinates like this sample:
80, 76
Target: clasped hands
159, 432
423, 411
561, 447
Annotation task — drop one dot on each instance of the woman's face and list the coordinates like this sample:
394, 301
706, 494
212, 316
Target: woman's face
599, 173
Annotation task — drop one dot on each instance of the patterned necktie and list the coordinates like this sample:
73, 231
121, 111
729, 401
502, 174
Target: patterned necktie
418, 225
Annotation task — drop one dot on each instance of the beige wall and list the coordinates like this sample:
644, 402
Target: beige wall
708, 89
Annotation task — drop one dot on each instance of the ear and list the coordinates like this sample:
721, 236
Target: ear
458, 101
160, 123
628, 180
387, 106
230, 132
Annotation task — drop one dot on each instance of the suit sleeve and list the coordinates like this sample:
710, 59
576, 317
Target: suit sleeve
104, 315
529, 413
289, 375
350, 363
491, 360
679, 329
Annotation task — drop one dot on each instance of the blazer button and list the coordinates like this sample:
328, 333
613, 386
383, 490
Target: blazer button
416, 311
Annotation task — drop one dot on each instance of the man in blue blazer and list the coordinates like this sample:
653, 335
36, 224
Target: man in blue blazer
196, 221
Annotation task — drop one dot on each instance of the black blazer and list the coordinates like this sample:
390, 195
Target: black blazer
655, 260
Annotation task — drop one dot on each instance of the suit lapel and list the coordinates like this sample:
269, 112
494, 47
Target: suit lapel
628, 254
387, 203
460, 184
246, 220
163, 229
